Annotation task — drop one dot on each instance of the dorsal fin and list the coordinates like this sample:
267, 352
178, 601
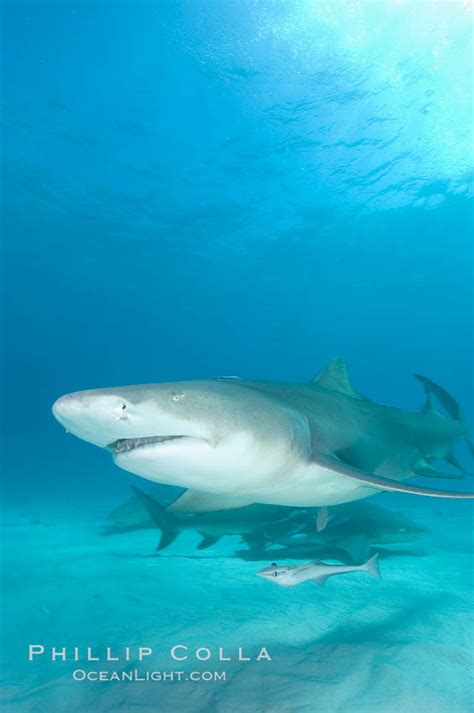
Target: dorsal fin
334, 376
428, 406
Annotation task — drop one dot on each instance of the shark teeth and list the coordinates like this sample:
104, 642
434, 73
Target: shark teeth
123, 445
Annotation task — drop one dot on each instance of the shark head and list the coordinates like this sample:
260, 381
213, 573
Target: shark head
278, 574
209, 435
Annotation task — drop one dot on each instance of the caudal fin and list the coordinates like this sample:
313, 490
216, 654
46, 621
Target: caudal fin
372, 566
445, 399
165, 521
452, 408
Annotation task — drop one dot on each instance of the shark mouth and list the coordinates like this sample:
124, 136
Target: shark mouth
123, 445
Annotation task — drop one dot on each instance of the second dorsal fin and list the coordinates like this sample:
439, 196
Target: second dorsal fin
334, 376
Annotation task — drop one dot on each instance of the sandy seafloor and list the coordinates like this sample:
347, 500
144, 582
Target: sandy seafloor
357, 645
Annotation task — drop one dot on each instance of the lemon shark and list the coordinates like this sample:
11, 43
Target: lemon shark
353, 528
252, 522
232, 442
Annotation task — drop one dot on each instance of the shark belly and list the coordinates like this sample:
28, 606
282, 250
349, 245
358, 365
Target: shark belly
244, 466
269, 478
312, 485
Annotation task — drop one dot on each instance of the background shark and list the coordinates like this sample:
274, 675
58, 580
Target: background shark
353, 528
251, 522
314, 444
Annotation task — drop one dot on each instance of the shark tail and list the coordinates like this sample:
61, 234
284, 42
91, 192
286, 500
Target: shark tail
451, 407
372, 566
447, 401
165, 521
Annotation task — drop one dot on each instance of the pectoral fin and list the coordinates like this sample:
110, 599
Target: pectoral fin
320, 581
197, 501
322, 519
441, 476
380, 483
424, 468
255, 541
207, 541
452, 460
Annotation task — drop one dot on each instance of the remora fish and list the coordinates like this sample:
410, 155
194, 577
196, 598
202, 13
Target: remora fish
251, 522
317, 572
313, 444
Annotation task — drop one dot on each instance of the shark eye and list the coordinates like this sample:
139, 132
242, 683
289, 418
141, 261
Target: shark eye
176, 396
124, 406
275, 574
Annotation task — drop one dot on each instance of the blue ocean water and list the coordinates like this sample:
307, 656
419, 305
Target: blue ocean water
198, 188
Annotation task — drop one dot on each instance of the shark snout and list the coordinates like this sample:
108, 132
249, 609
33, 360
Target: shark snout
65, 407
71, 411
96, 418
